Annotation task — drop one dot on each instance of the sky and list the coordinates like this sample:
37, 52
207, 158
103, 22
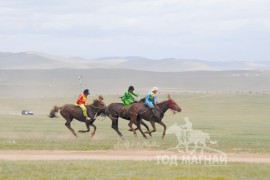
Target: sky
214, 30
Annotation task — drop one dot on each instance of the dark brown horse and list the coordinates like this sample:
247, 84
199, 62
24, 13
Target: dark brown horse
139, 111
113, 111
71, 111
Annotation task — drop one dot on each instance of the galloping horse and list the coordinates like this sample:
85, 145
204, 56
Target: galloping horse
113, 111
71, 111
139, 111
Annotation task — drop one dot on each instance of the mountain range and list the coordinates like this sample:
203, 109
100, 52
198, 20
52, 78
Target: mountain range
38, 60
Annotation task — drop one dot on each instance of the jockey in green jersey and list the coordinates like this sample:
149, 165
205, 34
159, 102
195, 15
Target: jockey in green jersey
128, 98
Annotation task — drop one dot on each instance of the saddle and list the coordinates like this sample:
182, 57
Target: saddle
123, 111
142, 100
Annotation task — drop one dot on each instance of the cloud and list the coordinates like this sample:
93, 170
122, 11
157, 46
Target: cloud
208, 29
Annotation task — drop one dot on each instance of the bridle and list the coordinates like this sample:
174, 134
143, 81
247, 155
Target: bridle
97, 107
170, 101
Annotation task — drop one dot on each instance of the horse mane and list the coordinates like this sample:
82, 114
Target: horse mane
56, 108
94, 101
162, 102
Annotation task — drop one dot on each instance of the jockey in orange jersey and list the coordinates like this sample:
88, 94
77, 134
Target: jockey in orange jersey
81, 102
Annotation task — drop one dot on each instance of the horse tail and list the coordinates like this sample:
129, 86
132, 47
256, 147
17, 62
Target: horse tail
53, 111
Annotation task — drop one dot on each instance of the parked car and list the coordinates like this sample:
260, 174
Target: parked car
27, 112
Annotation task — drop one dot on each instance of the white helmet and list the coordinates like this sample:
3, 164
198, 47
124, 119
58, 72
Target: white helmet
154, 89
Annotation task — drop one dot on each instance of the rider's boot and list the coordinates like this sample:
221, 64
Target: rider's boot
154, 113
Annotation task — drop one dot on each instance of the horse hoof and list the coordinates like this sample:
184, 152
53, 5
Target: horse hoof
123, 138
163, 136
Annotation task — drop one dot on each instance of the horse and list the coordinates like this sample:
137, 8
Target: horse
113, 111
71, 111
139, 111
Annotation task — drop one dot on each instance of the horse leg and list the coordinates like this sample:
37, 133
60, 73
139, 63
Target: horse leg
115, 126
87, 126
154, 127
145, 125
132, 120
164, 130
95, 128
70, 128
139, 120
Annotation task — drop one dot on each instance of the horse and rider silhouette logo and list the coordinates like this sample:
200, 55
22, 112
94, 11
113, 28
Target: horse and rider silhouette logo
190, 140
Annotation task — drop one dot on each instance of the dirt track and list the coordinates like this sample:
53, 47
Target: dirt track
114, 155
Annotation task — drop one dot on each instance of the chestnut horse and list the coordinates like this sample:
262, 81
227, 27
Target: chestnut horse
113, 111
139, 111
71, 111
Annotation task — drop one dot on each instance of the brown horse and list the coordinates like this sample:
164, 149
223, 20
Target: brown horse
113, 111
70, 112
139, 111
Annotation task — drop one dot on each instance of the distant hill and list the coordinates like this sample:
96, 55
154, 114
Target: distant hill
64, 82
38, 60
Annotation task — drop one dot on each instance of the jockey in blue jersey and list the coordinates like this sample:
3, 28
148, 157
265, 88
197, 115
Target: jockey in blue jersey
151, 100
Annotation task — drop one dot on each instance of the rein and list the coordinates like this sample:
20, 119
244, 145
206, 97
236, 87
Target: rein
96, 107
159, 110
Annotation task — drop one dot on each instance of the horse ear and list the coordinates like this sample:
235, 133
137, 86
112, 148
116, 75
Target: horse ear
100, 97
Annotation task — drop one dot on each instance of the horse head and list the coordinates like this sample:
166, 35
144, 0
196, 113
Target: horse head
173, 105
98, 103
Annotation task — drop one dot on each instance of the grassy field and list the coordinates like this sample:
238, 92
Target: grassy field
128, 170
239, 123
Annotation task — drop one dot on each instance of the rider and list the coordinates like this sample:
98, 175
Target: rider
128, 98
81, 102
150, 100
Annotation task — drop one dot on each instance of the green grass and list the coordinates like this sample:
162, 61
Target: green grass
128, 170
239, 122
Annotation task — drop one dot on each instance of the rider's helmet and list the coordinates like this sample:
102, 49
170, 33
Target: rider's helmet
86, 91
154, 89
131, 88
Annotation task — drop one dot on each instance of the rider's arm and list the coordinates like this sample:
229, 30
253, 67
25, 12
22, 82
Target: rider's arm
155, 100
135, 94
126, 95
147, 98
